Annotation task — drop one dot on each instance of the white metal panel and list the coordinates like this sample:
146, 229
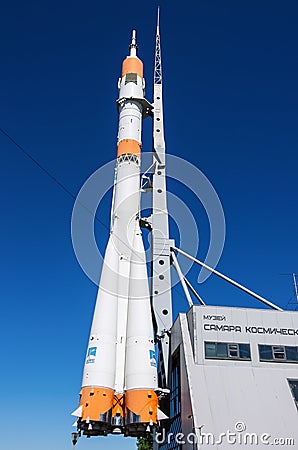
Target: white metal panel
130, 121
221, 393
140, 367
104, 327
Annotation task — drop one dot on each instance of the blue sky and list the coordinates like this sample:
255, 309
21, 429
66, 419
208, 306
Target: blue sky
230, 73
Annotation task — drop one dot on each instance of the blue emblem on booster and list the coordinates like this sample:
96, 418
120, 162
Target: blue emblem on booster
91, 354
152, 358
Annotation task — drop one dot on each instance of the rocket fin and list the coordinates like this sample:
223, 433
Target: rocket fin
161, 415
77, 412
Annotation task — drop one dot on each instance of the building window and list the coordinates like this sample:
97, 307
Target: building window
227, 350
175, 425
175, 408
292, 354
294, 389
278, 353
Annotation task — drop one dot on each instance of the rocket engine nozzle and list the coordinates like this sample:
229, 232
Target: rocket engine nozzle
102, 411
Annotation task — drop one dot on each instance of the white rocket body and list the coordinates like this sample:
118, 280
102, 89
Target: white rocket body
120, 375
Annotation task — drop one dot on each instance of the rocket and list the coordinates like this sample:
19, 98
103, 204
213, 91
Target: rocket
119, 387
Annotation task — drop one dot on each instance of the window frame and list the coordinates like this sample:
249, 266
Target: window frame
230, 350
279, 349
272, 348
293, 380
228, 346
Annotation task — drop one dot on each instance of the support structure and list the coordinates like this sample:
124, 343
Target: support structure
161, 259
182, 280
234, 283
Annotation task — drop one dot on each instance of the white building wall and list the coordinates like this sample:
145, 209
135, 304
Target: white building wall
218, 394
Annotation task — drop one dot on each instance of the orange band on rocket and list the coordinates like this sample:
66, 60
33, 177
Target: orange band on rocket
129, 146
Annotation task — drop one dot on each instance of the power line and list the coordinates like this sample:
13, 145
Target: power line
49, 174
61, 185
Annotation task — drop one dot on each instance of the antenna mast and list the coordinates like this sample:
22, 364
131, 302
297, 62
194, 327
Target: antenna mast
295, 288
157, 60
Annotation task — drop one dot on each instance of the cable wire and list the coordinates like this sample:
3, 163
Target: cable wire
64, 188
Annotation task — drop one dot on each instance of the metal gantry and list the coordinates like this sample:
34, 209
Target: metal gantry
157, 58
161, 257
